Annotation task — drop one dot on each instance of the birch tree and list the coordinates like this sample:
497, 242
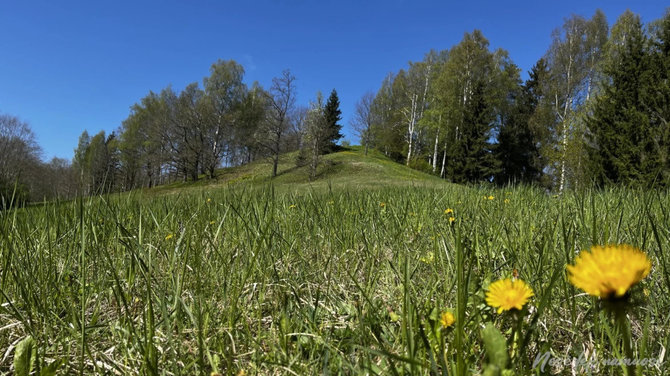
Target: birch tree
388, 132
471, 68
19, 153
416, 86
225, 92
281, 101
318, 132
573, 59
362, 120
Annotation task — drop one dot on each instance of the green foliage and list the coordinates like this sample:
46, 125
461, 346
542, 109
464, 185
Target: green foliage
332, 115
13, 195
420, 164
467, 110
472, 91
347, 273
495, 345
25, 356
170, 136
517, 149
387, 131
52, 369
471, 155
627, 141
96, 162
301, 158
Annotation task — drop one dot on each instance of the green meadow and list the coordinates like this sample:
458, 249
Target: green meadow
346, 274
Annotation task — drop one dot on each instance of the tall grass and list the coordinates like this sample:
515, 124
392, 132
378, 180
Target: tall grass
325, 281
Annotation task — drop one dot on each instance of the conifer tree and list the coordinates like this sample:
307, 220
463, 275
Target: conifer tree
624, 147
517, 150
333, 115
659, 99
472, 154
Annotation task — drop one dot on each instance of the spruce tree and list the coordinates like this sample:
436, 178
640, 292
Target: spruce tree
472, 155
659, 99
624, 147
333, 115
517, 150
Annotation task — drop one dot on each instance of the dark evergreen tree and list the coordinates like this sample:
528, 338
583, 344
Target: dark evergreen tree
472, 158
518, 148
659, 100
333, 115
624, 144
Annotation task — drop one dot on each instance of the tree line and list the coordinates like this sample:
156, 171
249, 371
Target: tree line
23, 175
170, 136
594, 110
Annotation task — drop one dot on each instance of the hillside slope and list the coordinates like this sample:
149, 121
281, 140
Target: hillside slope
347, 168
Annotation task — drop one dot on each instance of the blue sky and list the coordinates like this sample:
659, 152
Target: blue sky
67, 66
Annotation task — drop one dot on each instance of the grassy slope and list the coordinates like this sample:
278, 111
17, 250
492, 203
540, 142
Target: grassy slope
309, 281
349, 168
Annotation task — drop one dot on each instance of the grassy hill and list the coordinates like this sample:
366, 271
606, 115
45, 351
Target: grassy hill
349, 168
248, 275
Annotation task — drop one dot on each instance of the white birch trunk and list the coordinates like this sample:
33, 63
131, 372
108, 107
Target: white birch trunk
444, 161
410, 127
437, 139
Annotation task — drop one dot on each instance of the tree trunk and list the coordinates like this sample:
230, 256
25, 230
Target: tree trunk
276, 154
274, 165
410, 127
315, 160
564, 142
444, 161
437, 137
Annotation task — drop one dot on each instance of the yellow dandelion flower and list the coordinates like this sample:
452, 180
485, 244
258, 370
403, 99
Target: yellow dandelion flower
382, 204
169, 236
428, 258
209, 200
447, 319
448, 211
491, 197
452, 219
507, 294
292, 206
607, 271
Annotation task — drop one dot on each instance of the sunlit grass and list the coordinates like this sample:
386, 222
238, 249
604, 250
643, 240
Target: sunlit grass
351, 281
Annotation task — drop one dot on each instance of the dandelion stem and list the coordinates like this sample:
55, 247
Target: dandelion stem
624, 328
517, 334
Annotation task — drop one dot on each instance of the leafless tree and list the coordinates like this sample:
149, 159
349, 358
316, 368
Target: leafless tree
363, 119
19, 156
298, 127
281, 100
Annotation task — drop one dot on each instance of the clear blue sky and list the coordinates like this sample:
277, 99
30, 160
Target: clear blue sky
67, 66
